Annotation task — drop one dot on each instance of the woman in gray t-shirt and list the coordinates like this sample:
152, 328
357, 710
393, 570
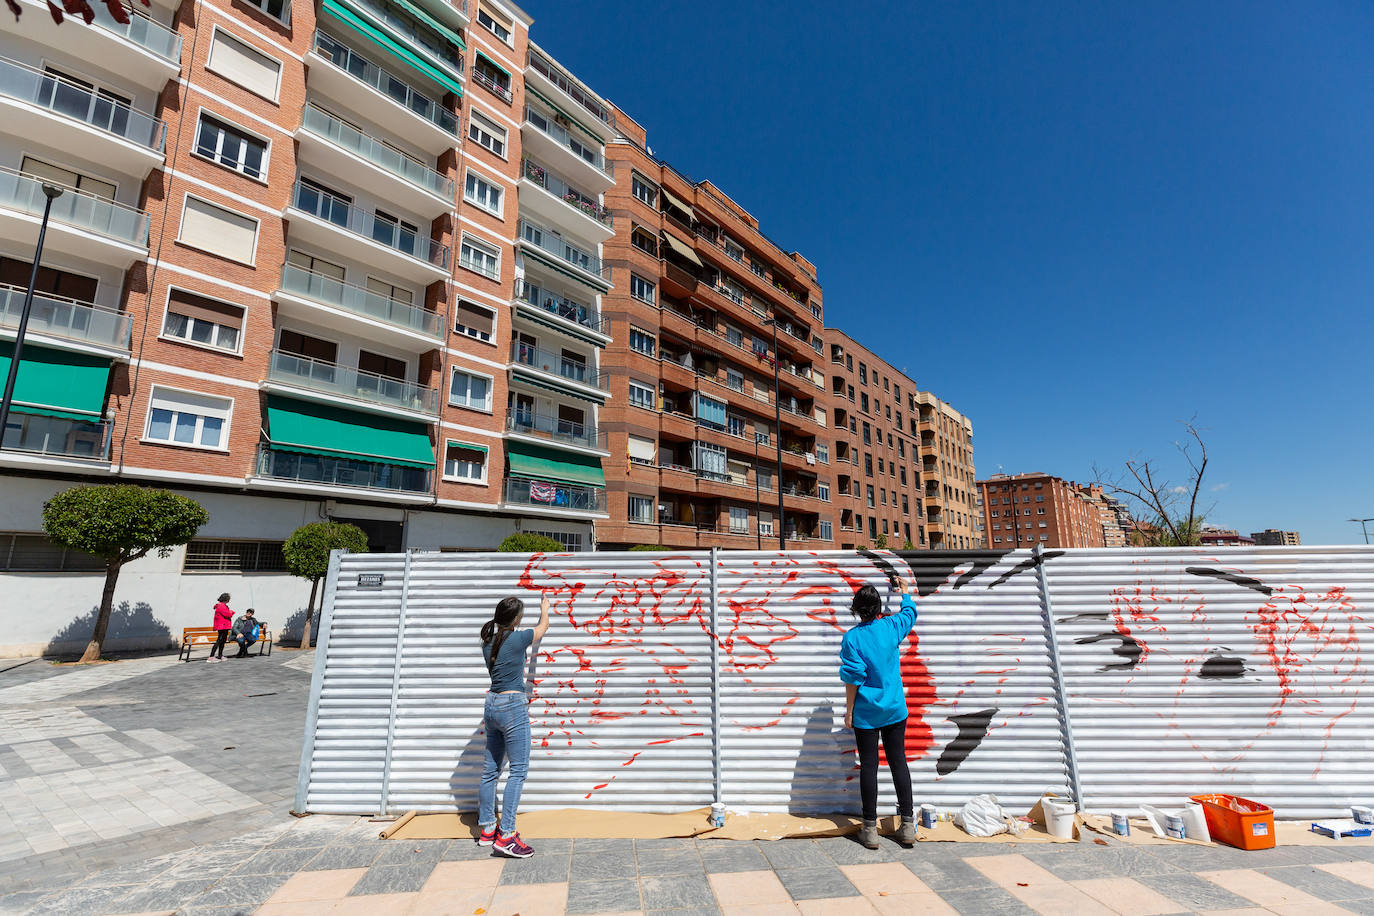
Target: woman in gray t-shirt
507, 720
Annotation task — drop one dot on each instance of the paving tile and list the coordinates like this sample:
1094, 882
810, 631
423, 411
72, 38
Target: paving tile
904, 904
410, 852
604, 896
236, 890
761, 909
675, 892
462, 850
374, 905
456, 902
393, 879
675, 860
794, 854
317, 885
546, 899
539, 869
837, 906
884, 878
457, 875
1322, 884
985, 901
746, 888
332, 857
1194, 893
297, 908
1128, 897
947, 875
1258, 888
813, 883
719, 856
844, 850
1036, 887
1361, 873
277, 861
81, 900
1075, 864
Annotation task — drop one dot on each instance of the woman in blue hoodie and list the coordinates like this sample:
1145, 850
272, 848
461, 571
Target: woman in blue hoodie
875, 703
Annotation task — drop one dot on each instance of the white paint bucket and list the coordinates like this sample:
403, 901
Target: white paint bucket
1362, 814
1059, 817
928, 816
718, 814
1121, 823
1174, 826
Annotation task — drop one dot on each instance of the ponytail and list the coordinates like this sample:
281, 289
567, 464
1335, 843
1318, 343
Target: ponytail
501, 625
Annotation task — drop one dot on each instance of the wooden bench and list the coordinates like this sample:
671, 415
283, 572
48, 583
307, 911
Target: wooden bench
206, 636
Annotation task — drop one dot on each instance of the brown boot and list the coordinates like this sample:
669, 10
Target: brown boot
868, 834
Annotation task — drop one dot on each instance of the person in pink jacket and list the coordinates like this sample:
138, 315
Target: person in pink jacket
224, 621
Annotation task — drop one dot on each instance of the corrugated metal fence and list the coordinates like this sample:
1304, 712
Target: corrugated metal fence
670, 680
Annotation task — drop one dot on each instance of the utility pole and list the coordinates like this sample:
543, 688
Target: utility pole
51, 192
758, 532
777, 429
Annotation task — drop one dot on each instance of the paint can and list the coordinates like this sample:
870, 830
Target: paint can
1121, 823
1174, 826
718, 814
928, 816
1363, 814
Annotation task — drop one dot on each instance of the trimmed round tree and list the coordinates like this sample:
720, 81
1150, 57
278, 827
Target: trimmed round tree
530, 543
306, 553
119, 523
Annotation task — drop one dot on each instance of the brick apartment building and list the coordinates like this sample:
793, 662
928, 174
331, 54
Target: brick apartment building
1023, 510
1274, 537
1217, 536
338, 260
903, 458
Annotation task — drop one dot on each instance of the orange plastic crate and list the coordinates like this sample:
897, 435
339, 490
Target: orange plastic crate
1238, 821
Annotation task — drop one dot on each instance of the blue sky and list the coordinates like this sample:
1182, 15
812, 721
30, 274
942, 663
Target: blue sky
1078, 223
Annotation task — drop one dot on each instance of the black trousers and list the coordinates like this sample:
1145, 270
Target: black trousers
894, 745
220, 637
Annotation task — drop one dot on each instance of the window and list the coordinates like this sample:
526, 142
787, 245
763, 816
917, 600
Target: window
231, 147
469, 390
815, 310
739, 520
243, 64
642, 395
997, 540
495, 79
1044, 537
641, 341
871, 502
316, 265
757, 267
1044, 524
765, 525
863, 401
863, 373
642, 450
198, 320
487, 133
868, 434
277, 9
1040, 497
481, 258
232, 556
642, 289
218, 231
465, 462
823, 452
868, 464
485, 20
46, 171
571, 541
183, 418
1039, 511
827, 531
710, 412
644, 241
483, 193
732, 248
643, 190
35, 553
475, 320
823, 491
734, 379
737, 426
710, 460
642, 509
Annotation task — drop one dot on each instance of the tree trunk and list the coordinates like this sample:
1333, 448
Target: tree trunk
309, 615
102, 620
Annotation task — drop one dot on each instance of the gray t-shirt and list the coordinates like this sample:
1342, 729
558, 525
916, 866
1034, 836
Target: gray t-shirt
509, 671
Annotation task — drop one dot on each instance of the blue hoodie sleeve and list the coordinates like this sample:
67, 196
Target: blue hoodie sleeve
853, 668
905, 619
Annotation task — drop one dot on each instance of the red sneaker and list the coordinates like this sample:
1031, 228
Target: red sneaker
488, 837
513, 846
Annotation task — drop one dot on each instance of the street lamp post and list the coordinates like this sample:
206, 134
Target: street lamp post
1363, 526
758, 532
51, 192
777, 430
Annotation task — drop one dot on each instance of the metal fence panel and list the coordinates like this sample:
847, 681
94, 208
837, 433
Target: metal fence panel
983, 715
1239, 670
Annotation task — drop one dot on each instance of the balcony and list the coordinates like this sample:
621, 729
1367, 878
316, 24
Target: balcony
58, 437
325, 300
555, 429
548, 77
438, 50
82, 225
322, 471
555, 143
68, 321
366, 162
340, 225
392, 103
581, 264
551, 198
579, 317
539, 494
59, 113
358, 388
489, 83
584, 379
142, 50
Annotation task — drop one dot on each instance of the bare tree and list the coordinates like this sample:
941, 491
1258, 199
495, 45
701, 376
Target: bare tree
1168, 514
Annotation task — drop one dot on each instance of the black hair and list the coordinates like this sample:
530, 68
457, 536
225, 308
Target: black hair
867, 604
501, 625
224, 597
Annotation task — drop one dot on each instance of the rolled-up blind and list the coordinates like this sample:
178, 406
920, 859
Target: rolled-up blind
643, 449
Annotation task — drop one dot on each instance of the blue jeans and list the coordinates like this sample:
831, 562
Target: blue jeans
507, 718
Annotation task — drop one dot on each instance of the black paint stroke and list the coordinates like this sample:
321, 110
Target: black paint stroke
1127, 649
1025, 565
1222, 668
973, 728
932, 568
881, 562
1234, 578
1095, 615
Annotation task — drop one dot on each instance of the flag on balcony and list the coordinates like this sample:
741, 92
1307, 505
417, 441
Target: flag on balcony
542, 492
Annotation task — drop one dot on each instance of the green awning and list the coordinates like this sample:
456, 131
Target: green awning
444, 31
335, 432
57, 383
549, 262
391, 45
495, 64
571, 120
468, 445
552, 464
